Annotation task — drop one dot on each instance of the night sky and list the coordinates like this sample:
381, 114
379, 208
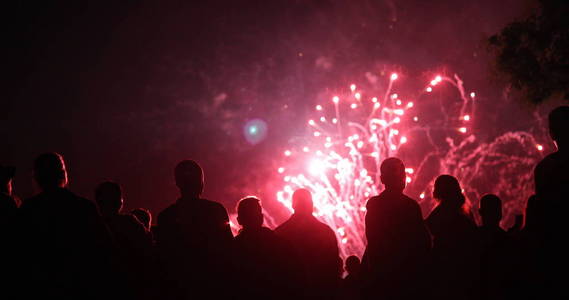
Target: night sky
126, 89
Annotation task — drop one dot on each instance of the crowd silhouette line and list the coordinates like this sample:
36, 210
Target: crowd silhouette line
58, 245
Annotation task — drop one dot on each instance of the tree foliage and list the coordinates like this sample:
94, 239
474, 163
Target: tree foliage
533, 54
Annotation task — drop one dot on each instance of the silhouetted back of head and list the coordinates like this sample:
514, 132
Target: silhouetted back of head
302, 202
249, 212
559, 125
108, 196
393, 174
490, 210
353, 264
189, 178
50, 171
448, 192
143, 216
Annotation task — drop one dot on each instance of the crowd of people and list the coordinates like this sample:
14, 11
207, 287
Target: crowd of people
58, 245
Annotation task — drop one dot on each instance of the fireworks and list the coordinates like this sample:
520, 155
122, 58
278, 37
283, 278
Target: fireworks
354, 131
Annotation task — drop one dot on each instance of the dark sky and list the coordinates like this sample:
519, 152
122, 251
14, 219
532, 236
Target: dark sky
125, 89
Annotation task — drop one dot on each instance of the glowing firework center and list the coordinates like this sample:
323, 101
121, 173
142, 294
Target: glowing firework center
340, 160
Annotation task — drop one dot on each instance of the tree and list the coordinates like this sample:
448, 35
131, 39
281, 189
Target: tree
533, 54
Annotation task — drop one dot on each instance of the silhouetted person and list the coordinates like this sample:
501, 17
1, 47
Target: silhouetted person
455, 266
315, 246
194, 239
133, 241
8, 203
496, 263
352, 283
263, 259
398, 240
143, 216
67, 251
552, 190
127, 231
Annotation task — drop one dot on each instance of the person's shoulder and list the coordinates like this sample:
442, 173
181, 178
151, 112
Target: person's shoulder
549, 161
167, 213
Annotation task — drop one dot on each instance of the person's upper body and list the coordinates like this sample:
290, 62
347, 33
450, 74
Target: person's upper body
398, 240
193, 236
315, 246
264, 261
497, 249
455, 268
129, 234
551, 174
66, 247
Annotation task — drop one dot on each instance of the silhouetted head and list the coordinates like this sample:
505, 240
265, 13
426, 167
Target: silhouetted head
393, 174
533, 214
189, 178
143, 216
108, 196
6, 175
302, 202
249, 212
353, 264
448, 192
50, 172
559, 126
490, 210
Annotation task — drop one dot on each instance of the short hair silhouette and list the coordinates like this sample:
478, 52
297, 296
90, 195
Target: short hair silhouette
302, 202
189, 178
393, 173
108, 196
352, 264
249, 212
447, 190
490, 210
559, 125
50, 171
143, 215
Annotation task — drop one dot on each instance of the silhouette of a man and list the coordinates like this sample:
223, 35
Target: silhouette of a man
398, 241
194, 238
143, 216
551, 175
495, 246
263, 258
66, 247
552, 192
315, 246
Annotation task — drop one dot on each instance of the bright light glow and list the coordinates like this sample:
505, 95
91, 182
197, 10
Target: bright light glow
317, 134
394, 96
281, 170
410, 104
287, 153
422, 196
374, 99
539, 147
305, 149
311, 122
358, 96
376, 105
438, 78
319, 107
398, 112
398, 102
353, 87
336, 99
409, 170
429, 89
466, 118
354, 106
403, 140
322, 119
462, 129
393, 147
434, 82
396, 120
393, 76
416, 119
472, 95
334, 120
408, 179
317, 167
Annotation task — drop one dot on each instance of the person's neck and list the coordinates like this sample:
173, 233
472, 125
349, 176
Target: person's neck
189, 195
